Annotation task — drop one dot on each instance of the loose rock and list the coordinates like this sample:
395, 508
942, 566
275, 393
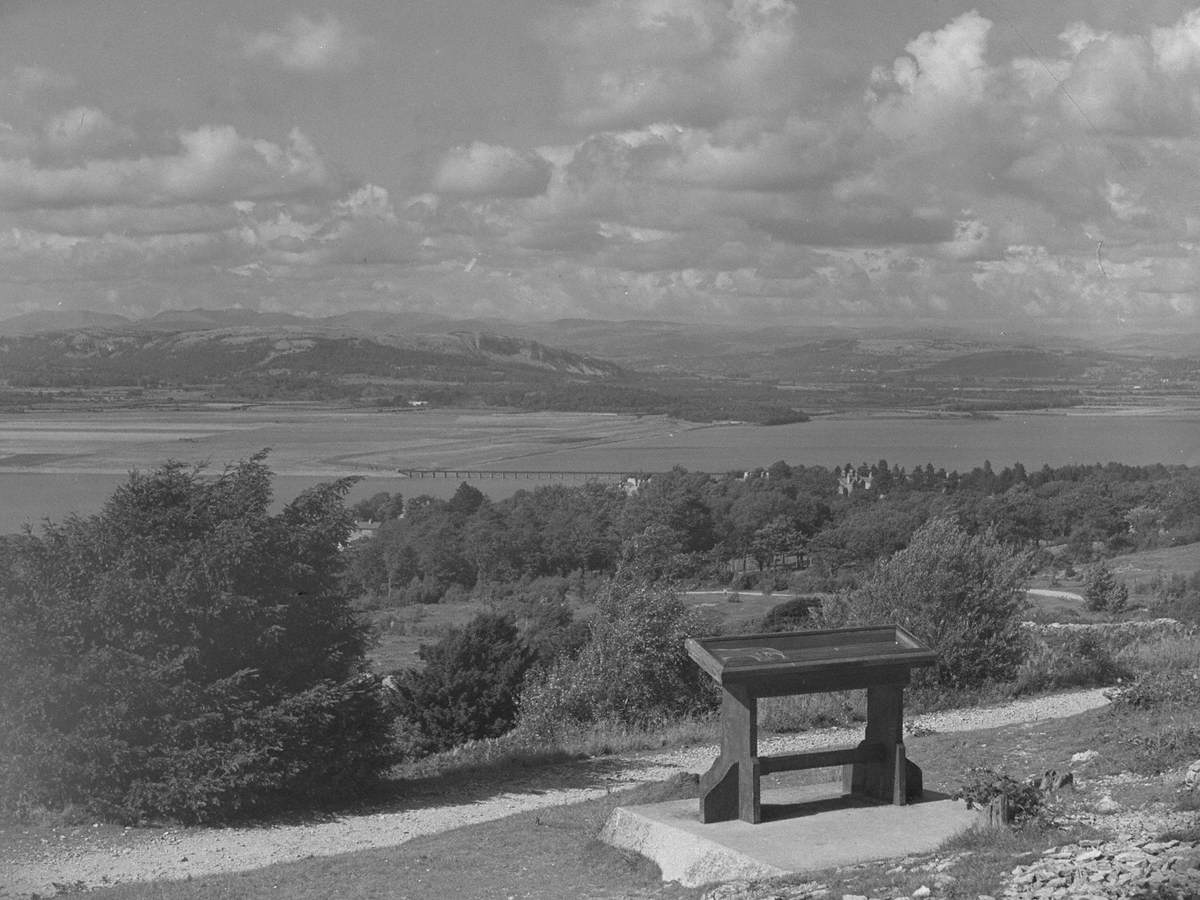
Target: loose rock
1109, 871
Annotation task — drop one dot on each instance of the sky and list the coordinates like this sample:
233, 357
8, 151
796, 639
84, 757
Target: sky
1015, 164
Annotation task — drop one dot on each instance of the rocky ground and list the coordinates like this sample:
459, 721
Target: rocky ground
70, 859
1129, 863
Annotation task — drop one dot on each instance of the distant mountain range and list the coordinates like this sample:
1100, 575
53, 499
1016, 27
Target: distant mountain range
696, 370
200, 348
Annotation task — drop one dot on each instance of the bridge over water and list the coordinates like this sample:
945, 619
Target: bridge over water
522, 474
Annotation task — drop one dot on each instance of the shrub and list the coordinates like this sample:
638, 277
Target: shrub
962, 594
791, 615
468, 687
1169, 743
1069, 658
633, 669
1178, 596
1164, 688
553, 631
1025, 800
1102, 591
184, 653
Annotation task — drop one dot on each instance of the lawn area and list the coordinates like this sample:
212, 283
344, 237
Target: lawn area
1166, 561
553, 853
401, 630
734, 611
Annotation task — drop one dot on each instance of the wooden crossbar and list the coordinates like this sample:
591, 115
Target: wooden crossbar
820, 759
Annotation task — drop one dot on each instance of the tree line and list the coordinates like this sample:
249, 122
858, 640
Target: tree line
189, 653
756, 527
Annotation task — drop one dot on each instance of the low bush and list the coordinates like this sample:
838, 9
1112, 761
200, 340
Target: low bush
1068, 659
1166, 651
1025, 801
1177, 596
1161, 688
1102, 590
468, 687
791, 615
633, 669
1172, 743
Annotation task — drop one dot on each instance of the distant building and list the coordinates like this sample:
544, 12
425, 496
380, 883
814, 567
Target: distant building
362, 530
633, 484
851, 480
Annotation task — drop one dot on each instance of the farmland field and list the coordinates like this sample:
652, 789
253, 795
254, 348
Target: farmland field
55, 463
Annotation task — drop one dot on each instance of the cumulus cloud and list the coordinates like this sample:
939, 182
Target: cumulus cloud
701, 166
211, 164
743, 155
627, 63
359, 228
972, 241
308, 45
944, 73
488, 170
86, 194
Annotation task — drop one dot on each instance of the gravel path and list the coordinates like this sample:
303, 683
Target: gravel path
141, 855
1060, 595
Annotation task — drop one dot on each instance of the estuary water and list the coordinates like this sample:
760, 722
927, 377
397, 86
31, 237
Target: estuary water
55, 464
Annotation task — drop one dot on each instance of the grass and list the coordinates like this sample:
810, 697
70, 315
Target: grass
546, 854
401, 630
554, 852
1182, 560
731, 610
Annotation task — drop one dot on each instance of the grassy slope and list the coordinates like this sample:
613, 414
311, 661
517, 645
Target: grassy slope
553, 853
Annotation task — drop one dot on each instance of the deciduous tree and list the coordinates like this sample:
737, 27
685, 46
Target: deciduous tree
961, 593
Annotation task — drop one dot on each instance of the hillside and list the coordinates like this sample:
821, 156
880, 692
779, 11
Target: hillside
239, 356
161, 354
691, 370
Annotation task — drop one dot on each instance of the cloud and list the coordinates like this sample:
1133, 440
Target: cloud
211, 164
944, 73
308, 45
86, 195
627, 63
488, 170
85, 131
707, 161
360, 228
972, 241
746, 156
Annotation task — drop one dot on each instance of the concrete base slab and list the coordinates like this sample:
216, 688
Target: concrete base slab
803, 828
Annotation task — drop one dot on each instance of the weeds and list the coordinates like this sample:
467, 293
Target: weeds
1160, 688
1069, 659
1025, 801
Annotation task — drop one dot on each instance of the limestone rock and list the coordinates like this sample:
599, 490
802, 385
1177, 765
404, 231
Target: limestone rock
1113, 870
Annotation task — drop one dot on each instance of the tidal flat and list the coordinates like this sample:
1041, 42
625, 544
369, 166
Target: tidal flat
53, 464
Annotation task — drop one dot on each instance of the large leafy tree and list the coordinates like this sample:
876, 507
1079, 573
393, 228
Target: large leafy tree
185, 652
962, 593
